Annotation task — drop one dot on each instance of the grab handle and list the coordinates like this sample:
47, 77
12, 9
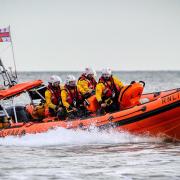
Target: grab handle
143, 83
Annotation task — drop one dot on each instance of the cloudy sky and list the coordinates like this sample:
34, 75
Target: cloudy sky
71, 34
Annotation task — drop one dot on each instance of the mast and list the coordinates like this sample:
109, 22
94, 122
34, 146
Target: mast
9, 80
13, 54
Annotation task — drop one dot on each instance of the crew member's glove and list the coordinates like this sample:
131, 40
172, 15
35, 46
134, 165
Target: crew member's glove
103, 105
74, 109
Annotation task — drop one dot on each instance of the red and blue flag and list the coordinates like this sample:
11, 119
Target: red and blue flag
5, 35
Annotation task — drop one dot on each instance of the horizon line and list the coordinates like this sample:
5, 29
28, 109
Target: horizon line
173, 70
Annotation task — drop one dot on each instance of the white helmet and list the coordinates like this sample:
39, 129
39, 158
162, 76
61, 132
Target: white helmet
106, 72
89, 71
70, 80
55, 79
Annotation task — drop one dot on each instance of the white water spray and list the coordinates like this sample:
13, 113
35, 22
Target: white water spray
61, 136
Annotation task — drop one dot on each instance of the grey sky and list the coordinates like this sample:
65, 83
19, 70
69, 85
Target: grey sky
72, 34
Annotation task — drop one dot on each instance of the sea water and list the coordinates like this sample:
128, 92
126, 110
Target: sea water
77, 154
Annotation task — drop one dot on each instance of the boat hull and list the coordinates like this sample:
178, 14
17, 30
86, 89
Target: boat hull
166, 124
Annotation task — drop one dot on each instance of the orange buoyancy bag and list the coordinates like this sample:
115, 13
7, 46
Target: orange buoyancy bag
93, 104
130, 95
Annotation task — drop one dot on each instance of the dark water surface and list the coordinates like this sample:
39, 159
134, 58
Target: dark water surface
69, 154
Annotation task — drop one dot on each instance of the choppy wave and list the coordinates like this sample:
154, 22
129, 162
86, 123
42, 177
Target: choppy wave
61, 136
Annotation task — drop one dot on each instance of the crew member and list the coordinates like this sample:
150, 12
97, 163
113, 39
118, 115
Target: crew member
87, 83
72, 99
107, 91
54, 106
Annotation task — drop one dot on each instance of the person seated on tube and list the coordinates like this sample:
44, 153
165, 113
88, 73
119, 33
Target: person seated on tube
107, 92
72, 99
86, 83
54, 106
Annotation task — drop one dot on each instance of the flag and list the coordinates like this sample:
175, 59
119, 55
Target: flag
5, 35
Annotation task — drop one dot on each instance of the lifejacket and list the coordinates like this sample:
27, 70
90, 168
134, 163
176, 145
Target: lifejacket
55, 95
130, 95
55, 99
111, 90
91, 82
74, 97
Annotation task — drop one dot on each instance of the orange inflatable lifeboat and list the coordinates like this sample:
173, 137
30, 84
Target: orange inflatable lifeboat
157, 116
